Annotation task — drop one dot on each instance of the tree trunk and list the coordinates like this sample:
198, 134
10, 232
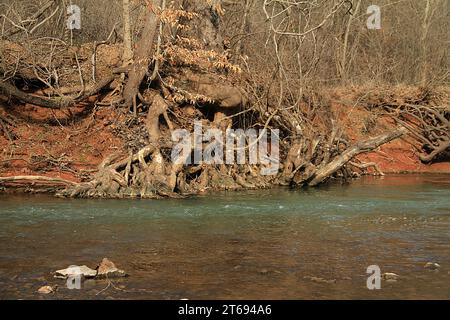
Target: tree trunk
142, 57
238, 49
127, 49
343, 68
426, 23
206, 24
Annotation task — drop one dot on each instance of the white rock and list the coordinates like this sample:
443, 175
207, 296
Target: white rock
389, 276
46, 290
76, 271
432, 266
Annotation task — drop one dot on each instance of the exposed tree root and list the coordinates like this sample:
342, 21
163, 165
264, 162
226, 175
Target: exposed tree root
54, 103
364, 166
426, 119
439, 148
147, 174
4, 128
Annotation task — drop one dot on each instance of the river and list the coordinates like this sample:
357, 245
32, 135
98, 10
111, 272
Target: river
264, 244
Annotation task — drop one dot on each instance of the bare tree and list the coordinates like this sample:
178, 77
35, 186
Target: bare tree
127, 45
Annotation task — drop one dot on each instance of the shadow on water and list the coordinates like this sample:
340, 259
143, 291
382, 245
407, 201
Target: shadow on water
265, 244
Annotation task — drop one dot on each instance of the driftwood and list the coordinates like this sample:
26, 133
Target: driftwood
36, 179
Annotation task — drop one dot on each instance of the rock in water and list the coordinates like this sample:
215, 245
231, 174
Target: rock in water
389, 276
432, 266
320, 280
46, 290
107, 269
83, 271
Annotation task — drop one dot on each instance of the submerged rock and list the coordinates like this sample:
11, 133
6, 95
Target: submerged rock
83, 271
321, 280
264, 271
107, 269
47, 290
432, 266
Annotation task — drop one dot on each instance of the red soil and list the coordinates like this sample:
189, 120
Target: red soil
67, 152
398, 156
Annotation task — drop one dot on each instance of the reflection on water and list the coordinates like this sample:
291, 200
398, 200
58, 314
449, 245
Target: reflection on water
269, 244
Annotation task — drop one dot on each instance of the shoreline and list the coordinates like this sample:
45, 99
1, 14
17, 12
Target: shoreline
52, 191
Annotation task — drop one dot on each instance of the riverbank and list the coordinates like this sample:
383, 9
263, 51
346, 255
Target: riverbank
70, 144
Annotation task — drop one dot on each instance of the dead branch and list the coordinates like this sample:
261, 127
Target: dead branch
36, 179
361, 147
33, 18
64, 102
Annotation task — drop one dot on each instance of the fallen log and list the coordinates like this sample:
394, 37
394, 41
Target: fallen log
55, 103
36, 179
364, 146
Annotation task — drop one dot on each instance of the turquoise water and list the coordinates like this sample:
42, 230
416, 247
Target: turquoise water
264, 244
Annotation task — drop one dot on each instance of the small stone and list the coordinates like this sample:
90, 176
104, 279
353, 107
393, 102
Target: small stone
390, 277
84, 271
264, 271
107, 269
432, 266
321, 280
46, 290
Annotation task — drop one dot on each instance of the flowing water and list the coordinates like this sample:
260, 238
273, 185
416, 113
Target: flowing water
271, 244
